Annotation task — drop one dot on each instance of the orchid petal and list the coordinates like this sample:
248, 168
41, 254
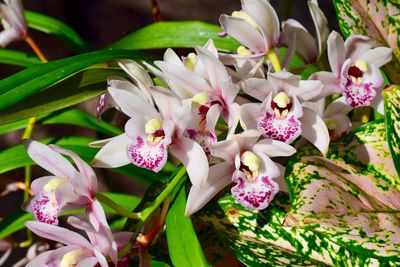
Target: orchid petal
48, 159
336, 52
131, 104
166, 101
377, 103
100, 257
318, 106
338, 106
274, 148
171, 57
321, 25
329, 80
343, 125
193, 158
242, 31
356, 45
249, 114
220, 176
136, 72
313, 128
51, 258
38, 184
44, 207
96, 215
113, 154
378, 56
216, 71
86, 262
257, 88
58, 234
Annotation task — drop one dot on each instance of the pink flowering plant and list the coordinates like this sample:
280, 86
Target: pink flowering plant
260, 143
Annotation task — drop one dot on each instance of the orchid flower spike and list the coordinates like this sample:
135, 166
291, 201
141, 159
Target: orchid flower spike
13, 21
256, 26
67, 188
281, 115
151, 132
246, 163
211, 95
298, 37
355, 70
78, 251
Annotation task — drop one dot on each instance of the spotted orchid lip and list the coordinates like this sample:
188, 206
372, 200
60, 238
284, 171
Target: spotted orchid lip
358, 95
282, 129
45, 207
204, 138
147, 155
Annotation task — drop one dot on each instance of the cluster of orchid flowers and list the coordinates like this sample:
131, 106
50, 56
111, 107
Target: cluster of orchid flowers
222, 115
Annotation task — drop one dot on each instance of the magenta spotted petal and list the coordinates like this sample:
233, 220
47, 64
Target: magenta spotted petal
285, 130
45, 208
204, 138
254, 195
358, 95
146, 155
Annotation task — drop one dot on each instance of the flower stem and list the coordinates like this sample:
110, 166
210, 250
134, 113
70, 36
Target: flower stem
121, 211
35, 48
273, 58
155, 10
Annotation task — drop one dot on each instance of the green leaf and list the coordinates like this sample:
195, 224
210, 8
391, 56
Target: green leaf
158, 264
176, 34
17, 58
258, 238
391, 96
351, 196
127, 202
183, 245
378, 19
30, 81
69, 117
16, 157
73, 90
57, 28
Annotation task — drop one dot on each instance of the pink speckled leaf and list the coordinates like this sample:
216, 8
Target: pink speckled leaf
351, 196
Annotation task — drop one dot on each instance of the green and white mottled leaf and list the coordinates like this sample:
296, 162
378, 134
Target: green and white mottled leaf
378, 19
259, 239
351, 196
391, 96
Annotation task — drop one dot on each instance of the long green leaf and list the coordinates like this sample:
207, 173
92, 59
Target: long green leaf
183, 245
16, 221
16, 157
57, 28
73, 90
25, 83
70, 117
391, 96
378, 19
176, 34
17, 58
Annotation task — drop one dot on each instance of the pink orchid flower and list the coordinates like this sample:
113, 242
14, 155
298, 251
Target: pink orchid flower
355, 70
336, 119
78, 250
13, 20
256, 26
281, 115
151, 132
305, 44
246, 163
212, 96
68, 188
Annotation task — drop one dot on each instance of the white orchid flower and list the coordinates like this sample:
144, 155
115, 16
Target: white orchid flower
281, 115
13, 21
246, 163
355, 70
306, 45
256, 27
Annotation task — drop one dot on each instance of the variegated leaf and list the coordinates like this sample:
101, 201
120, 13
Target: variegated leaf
378, 19
391, 95
259, 239
351, 196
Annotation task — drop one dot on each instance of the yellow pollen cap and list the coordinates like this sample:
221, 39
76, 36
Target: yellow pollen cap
71, 258
243, 51
362, 65
200, 98
54, 183
282, 100
153, 125
330, 124
190, 61
243, 15
251, 160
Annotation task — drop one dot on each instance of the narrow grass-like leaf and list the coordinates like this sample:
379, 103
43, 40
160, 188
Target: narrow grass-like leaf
17, 58
30, 81
183, 245
73, 90
57, 28
69, 117
176, 34
391, 97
